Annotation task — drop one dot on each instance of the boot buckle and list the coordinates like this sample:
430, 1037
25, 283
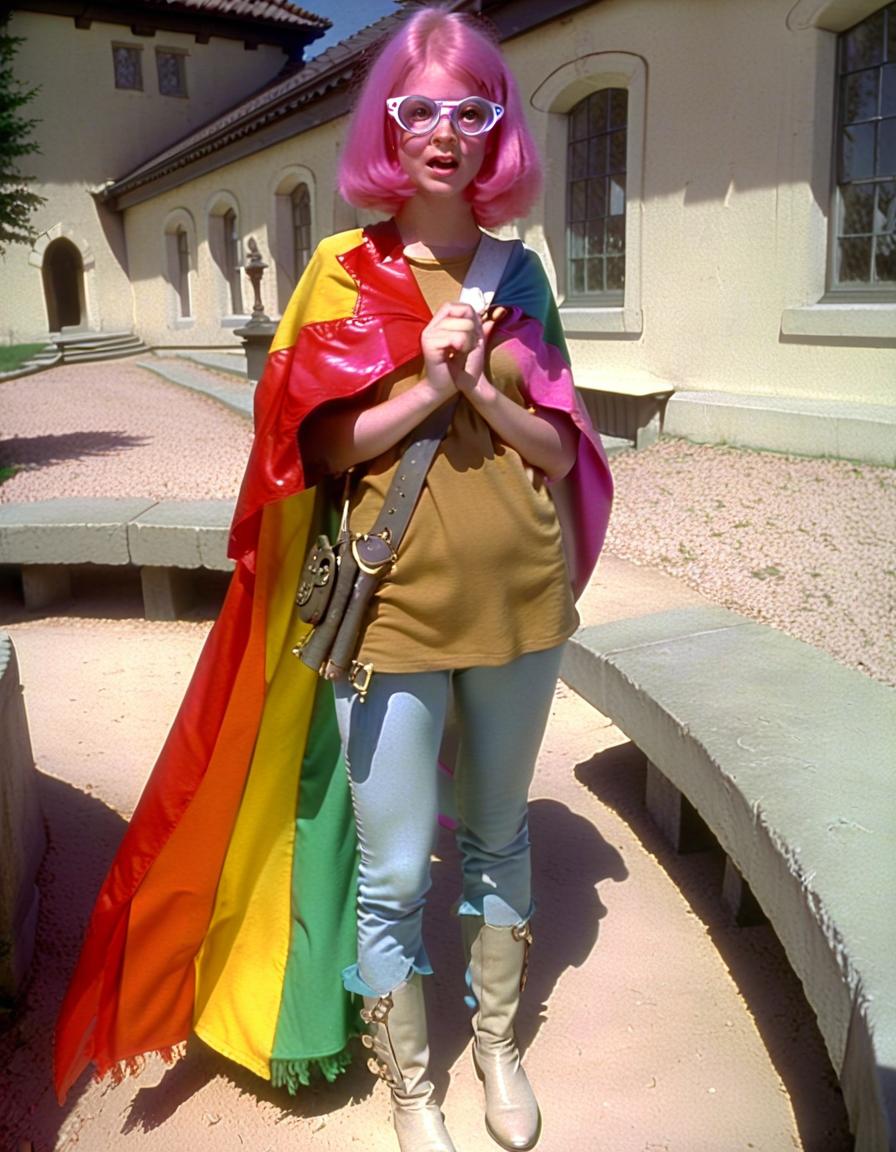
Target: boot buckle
378, 1068
379, 1012
522, 932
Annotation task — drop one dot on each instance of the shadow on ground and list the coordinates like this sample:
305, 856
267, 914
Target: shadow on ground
83, 835
570, 858
753, 955
107, 592
39, 451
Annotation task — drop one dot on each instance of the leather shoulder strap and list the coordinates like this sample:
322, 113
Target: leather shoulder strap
485, 272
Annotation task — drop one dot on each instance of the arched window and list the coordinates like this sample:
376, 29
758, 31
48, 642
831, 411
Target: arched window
180, 233
594, 134
595, 196
232, 264
300, 201
864, 247
183, 270
292, 236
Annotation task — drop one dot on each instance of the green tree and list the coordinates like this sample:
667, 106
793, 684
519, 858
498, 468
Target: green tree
17, 202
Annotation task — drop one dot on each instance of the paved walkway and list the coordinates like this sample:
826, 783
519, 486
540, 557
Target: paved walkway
650, 1022
786, 540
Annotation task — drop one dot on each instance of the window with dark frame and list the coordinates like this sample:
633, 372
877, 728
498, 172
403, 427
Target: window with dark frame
300, 200
183, 271
232, 261
128, 68
172, 70
595, 204
864, 249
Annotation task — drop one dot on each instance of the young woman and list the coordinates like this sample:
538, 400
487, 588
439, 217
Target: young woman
234, 907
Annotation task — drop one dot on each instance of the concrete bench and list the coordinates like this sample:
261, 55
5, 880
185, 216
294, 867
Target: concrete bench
790, 759
24, 840
167, 540
629, 408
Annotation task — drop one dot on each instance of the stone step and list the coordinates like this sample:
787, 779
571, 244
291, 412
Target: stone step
103, 352
88, 337
81, 347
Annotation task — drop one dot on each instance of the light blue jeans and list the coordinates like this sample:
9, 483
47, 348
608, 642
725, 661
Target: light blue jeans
391, 744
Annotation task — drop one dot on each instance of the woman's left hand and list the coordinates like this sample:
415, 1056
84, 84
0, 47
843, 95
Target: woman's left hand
545, 439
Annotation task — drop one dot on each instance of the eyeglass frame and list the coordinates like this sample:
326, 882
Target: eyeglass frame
445, 108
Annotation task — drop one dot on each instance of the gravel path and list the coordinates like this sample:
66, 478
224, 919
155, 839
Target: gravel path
808, 546
114, 429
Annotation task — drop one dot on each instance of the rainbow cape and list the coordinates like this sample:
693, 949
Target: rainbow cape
229, 908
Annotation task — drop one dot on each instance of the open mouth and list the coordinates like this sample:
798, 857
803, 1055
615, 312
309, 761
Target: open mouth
442, 163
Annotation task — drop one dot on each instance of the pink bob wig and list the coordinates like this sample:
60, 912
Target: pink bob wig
370, 175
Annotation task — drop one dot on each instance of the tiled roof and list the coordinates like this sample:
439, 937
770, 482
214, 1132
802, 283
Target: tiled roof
268, 11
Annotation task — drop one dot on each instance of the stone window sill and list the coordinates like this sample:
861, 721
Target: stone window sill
852, 321
594, 321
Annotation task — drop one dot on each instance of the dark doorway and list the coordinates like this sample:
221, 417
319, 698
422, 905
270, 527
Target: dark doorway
63, 285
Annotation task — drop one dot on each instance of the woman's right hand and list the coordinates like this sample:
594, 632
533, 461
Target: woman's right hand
346, 434
446, 341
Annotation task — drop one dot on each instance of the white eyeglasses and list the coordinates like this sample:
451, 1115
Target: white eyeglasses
472, 116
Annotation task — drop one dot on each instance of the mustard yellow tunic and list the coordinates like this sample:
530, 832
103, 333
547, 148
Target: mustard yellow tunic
480, 577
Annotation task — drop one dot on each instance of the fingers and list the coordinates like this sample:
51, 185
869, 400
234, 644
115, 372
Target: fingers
455, 328
454, 308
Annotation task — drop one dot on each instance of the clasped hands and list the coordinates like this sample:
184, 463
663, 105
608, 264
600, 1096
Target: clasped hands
454, 345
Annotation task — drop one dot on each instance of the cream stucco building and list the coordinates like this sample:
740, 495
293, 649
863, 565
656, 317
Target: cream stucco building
719, 214
115, 85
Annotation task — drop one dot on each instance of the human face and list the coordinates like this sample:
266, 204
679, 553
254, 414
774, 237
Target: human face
442, 162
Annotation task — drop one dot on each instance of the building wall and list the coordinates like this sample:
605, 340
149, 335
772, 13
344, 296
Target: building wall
109, 132
736, 187
728, 199
250, 187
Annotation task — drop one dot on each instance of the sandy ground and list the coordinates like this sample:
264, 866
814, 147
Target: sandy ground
651, 1022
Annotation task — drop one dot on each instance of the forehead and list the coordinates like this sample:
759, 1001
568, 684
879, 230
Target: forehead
438, 84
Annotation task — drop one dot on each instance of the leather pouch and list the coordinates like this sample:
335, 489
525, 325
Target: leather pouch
317, 581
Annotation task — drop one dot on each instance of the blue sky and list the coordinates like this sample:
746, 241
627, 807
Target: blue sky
347, 16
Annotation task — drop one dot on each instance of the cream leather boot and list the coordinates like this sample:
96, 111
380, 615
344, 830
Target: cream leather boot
497, 960
397, 1036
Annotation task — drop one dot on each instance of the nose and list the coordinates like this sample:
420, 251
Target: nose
444, 129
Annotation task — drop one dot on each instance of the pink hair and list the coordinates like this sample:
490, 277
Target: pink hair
370, 175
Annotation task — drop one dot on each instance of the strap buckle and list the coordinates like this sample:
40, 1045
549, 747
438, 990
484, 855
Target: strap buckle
359, 676
373, 551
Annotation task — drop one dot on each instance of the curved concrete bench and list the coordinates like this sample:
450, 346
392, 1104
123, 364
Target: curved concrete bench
167, 540
790, 759
24, 840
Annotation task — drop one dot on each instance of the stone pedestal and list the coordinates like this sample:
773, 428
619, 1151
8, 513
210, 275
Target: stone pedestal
22, 835
256, 338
